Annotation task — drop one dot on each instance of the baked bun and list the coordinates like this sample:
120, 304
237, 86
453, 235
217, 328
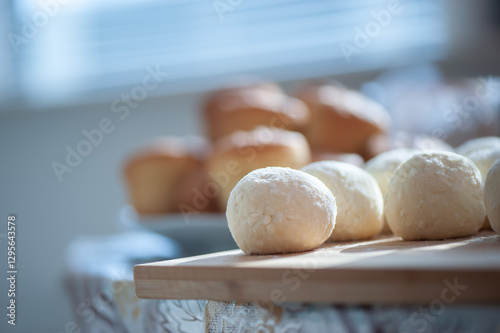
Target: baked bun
358, 198
342, 120
280, 210
476, 144
246, 109
492, 196
240, 85
155, 173
435, 195
197, 194
382, 168
236, 155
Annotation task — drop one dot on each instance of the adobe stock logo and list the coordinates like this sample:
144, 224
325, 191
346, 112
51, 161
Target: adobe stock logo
223, 6
419, 320
477, 104
364, 36
40, 19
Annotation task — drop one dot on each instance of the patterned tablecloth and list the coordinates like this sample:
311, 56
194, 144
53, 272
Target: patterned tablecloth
100, 284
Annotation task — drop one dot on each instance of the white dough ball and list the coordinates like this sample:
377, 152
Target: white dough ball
382, 167
476, 144
280, 210
484, 159
358, 197
492, 196
435, 195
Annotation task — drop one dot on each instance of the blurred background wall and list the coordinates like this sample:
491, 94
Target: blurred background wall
63, 79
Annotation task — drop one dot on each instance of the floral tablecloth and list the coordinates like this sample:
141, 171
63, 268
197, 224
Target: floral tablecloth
100, 284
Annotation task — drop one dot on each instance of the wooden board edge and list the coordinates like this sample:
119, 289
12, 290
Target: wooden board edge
345, 286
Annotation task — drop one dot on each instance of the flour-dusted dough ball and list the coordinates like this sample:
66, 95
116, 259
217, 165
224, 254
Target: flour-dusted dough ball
382, 168
484, 159
280, 210
492, 196
435, 195
358, 197
473, 145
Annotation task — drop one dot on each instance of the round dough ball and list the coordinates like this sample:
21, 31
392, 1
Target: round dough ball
484, 159
280, 210
351, 158
435, 195
492, 196
358, 197
470, 146
382, 168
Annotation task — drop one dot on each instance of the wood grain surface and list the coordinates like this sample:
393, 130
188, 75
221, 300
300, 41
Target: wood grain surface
383, 270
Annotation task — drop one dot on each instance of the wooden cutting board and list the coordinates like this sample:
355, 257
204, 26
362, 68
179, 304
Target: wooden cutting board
384, 270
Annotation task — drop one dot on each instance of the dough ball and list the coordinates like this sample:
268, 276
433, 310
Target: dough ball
477, 144
492, 196
280, 210
351, 158
484, 159
435, 195
358, 197
382, 168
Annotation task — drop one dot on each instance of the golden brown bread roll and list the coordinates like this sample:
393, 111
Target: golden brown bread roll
159, 175
240, 85
196, 195
342, 120
238, 154
245, 109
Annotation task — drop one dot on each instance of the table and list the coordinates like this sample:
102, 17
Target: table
100, 284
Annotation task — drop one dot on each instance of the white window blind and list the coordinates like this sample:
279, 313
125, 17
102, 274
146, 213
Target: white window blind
91, 49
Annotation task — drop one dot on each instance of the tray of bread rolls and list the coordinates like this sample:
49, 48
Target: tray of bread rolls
324, 203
